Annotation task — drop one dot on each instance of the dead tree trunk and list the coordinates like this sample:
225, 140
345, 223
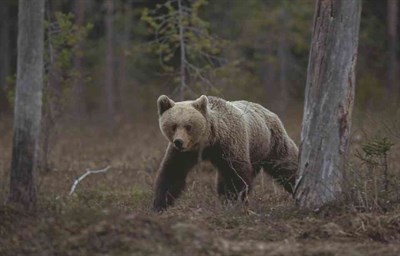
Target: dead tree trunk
393, 69
329, 101
28, 102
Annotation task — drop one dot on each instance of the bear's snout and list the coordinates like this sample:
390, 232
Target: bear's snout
178, 143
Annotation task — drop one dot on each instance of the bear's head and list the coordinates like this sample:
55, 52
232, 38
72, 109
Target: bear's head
184, 123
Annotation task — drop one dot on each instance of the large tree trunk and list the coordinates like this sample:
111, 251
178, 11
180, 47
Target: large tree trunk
329, 101
109, 76
28, 102
393, 69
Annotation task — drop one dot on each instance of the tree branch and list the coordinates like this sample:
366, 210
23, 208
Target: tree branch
87, 173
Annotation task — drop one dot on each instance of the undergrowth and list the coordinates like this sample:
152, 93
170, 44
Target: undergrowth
110, 213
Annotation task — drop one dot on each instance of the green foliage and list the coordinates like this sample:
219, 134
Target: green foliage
251, 32
256, 30
166, 21
375, 150
374, 184
369, 90
10, 92
63, 39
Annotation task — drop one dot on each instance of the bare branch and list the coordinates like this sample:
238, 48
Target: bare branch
87, 173
198, 73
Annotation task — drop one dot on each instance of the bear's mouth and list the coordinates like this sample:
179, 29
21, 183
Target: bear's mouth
180, 149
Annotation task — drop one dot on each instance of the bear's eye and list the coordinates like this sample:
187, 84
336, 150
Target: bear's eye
173, 127
188, 127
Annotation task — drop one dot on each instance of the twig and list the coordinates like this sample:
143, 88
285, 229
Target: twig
88, 172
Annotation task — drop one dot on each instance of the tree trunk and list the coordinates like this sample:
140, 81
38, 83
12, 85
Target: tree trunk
125, 104
4, 53
283, 55
28, 102
109, 76
51, 110
329, 101
393, 69
268, 76
182, 71
79, 104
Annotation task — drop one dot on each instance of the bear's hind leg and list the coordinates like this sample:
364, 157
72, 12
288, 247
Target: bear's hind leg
283, 173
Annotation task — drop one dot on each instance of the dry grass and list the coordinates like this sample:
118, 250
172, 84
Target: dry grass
110, 212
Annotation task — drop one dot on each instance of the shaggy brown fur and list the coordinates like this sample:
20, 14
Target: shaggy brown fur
239, 138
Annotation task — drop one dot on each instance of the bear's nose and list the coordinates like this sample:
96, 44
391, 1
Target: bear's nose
178, 143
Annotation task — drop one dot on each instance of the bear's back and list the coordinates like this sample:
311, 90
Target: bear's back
243, 107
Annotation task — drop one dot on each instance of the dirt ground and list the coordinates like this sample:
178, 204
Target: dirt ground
110, 213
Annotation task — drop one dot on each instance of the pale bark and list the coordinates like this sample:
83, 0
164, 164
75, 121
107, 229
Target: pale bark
28, 102
329, 101
393, 68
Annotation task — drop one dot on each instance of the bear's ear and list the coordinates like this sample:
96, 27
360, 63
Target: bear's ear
201, 104
163, 104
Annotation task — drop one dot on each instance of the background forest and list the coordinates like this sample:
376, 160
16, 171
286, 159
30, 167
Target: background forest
106, 63
103, 61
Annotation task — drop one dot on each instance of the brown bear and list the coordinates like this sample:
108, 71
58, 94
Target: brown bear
238, 137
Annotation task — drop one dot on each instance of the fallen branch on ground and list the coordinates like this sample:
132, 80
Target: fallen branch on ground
87, 173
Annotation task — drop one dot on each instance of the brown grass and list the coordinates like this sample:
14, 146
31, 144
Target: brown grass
110, 213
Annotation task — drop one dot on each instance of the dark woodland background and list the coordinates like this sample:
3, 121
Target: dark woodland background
263, 57
105, 68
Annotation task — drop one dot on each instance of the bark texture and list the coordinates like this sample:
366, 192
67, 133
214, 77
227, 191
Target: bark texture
28, 102
329, 101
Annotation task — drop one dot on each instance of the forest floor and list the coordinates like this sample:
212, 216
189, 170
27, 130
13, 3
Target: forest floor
110, 213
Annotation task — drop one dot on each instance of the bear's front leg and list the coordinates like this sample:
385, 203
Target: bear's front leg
171, 176
235, 179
